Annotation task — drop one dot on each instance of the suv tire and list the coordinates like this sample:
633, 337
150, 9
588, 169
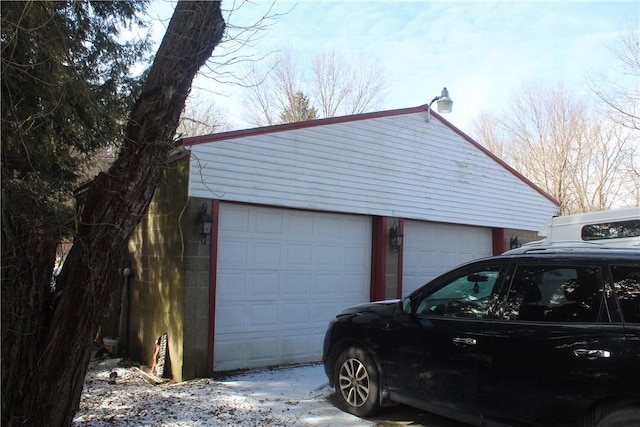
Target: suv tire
357, 382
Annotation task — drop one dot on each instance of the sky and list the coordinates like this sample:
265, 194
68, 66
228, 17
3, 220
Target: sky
482, 51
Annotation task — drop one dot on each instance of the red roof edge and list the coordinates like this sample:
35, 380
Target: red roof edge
498, 160
296, 125
201, 139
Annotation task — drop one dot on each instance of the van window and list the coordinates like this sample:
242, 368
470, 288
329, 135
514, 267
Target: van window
611, 230
626, 282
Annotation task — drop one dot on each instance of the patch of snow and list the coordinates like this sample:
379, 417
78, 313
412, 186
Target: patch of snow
286, 396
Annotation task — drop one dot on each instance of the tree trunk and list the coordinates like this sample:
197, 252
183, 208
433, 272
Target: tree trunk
53, 376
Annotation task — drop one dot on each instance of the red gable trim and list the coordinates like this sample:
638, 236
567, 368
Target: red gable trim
202, 139
499, 161
298, 125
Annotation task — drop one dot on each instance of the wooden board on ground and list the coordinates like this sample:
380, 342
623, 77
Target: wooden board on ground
147, 376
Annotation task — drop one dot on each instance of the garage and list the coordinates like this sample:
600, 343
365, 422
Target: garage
281, 276
431, 249
257, 237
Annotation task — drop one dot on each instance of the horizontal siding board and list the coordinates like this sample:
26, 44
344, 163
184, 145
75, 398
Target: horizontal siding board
388, 166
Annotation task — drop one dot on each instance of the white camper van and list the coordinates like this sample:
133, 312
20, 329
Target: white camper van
616, 228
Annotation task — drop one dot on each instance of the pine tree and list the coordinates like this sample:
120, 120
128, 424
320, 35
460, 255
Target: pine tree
298, 109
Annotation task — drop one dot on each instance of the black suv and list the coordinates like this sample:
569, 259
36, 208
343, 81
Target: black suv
543, 338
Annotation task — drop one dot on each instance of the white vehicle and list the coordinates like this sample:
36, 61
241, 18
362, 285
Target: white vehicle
616, 228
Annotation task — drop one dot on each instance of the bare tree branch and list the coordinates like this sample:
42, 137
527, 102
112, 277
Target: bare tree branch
335, 85
553, 138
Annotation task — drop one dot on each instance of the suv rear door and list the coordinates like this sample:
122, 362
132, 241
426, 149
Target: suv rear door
625, 278
553, 347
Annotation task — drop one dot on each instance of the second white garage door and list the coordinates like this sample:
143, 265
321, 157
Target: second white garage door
431, 249
282, 275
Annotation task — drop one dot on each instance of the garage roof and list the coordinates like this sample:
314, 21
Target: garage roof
388, 163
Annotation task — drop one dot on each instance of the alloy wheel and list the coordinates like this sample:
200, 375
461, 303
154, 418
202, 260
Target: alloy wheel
354, 382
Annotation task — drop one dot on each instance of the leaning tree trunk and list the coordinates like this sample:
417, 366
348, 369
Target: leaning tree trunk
114, 205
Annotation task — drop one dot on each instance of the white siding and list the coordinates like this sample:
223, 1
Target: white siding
388, 166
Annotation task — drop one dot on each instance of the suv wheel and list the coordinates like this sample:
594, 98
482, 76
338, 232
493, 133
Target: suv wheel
622, 417
357, 382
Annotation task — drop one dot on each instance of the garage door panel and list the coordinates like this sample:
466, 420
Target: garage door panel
227, 351
354, 258
298, 255
261, 285
261, 317
447, 260
328, 256
231, 317
322, 312
428, 259
430, 249
354, 229
236, 253
294, 347
268, 222
266, 255
300, 225
295, 315
235, 218
236, 282
328, 227
284, 281
295, 286
327, 285
260, 348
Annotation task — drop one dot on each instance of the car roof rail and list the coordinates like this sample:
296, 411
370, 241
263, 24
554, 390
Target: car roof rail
562, 246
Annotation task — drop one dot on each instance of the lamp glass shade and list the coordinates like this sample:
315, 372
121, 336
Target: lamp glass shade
445, 105
205, 224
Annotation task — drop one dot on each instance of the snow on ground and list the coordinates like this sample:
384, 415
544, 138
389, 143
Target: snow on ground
287, 396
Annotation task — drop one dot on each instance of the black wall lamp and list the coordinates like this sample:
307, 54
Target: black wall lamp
514, 243
395, 237
205, 224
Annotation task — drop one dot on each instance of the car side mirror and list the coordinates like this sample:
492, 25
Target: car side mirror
406, 305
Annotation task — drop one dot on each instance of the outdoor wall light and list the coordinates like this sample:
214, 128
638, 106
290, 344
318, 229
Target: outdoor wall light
445, 104
205, 224
514, 243
395, 237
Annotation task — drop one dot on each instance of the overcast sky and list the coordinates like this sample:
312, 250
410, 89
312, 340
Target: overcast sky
481, 51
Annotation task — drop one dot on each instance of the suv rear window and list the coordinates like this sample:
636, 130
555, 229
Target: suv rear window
626, 282
554, 294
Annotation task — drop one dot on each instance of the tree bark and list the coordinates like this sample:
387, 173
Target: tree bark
115, 203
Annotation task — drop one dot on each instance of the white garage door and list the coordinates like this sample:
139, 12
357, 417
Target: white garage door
430, 249
282, 275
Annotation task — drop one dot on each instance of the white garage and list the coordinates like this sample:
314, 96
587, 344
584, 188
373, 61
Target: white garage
431, 249
257, 237
281, 276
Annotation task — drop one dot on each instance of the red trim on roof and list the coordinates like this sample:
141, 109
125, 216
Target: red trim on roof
498, 160
194, 140
298, 125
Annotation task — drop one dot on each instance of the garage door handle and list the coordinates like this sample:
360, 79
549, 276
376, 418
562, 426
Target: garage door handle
592, 354
465, 341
